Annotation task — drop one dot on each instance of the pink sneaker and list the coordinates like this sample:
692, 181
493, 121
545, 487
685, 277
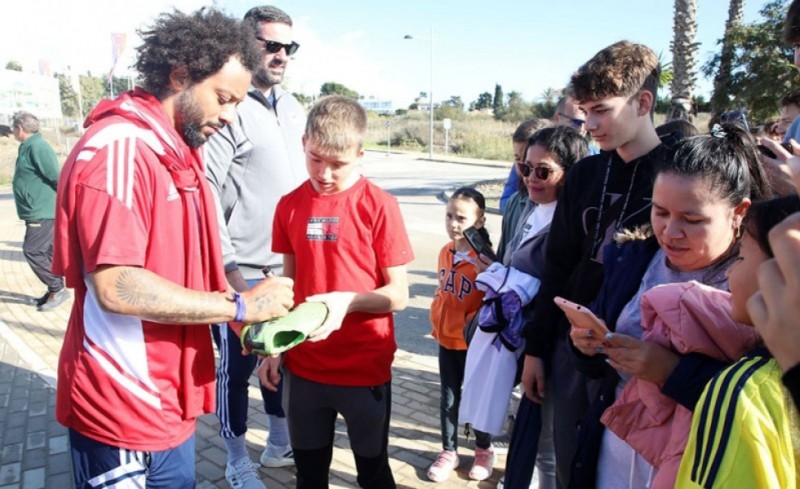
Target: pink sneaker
483, 464
446, 462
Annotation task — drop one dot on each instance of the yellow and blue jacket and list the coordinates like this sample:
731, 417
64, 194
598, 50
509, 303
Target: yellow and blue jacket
744, 430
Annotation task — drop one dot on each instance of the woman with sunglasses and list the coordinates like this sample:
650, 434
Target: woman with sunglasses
494, 351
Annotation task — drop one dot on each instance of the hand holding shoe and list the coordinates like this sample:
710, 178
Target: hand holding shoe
338, 305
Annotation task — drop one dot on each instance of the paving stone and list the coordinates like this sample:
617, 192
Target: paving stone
34, 458
62, 480
35, 439
33, 479
10, 473
59, 462
37, 408
58, 444
208, 470
11, 453
14, 434
38, 423
54, 428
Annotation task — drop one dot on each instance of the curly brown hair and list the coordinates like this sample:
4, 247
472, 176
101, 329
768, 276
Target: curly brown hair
202, 42
620, 70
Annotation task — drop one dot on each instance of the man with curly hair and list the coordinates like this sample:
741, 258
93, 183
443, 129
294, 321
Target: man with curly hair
250, 165
137, 237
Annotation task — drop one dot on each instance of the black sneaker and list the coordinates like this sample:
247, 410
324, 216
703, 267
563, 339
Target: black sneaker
53, 300
37, 301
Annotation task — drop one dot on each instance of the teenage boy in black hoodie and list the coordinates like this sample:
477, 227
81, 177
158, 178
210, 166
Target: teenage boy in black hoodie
602, 194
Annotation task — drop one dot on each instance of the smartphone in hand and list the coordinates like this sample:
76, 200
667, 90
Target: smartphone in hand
581, 316
478, 244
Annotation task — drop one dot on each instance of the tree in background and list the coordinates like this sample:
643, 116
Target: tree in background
69, 97
548, 100
305, 100
14, 65
700, 104
684, 59
93, 89
453, 108
498, 102
721, 98
762, 67
484, 101
517, 110
332, 88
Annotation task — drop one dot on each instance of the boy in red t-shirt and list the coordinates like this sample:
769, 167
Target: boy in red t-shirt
344, 242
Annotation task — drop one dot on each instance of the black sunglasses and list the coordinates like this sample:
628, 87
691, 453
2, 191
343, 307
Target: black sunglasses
541, 172
273, 47
575, 122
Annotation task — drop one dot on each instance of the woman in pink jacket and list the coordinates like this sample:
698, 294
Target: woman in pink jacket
700, 197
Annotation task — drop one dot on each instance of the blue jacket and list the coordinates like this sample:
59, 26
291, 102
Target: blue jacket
625, 266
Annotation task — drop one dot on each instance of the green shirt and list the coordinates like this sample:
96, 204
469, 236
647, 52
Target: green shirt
35, 179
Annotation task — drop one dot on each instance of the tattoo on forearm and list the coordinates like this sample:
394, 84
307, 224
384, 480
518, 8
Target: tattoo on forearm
156, 303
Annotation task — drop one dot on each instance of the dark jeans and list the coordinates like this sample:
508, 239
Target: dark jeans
38, 250
451, 378
571, 391
312, 408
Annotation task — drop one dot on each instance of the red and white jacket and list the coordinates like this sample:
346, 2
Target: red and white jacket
133, 193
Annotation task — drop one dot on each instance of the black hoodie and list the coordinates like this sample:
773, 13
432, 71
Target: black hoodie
574, 261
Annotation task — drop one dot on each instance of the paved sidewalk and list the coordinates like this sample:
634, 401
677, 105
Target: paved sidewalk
35, 451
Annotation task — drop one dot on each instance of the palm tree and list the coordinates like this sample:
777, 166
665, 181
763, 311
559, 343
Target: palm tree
722, 80
684, 59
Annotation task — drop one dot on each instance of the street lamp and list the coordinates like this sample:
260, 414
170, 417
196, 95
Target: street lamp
430, 92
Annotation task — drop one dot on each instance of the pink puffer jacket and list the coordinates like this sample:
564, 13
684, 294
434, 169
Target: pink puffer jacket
684, 317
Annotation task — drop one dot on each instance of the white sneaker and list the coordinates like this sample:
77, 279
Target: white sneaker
445, 463
243, 474
483, 465
277, 456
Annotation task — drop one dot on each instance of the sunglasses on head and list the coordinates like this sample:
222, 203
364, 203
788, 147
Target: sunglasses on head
541, 172
273, 47
576, 123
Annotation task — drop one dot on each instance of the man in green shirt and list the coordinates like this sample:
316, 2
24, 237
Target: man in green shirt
34, 184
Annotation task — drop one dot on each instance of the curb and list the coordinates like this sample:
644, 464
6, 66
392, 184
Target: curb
441, 159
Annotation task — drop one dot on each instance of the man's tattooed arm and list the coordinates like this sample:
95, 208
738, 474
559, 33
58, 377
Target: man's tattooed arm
138, 292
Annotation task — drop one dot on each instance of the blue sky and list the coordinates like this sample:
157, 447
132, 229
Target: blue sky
525, 46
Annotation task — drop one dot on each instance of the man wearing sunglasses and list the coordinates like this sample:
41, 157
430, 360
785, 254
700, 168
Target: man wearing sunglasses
250, 165
569, 113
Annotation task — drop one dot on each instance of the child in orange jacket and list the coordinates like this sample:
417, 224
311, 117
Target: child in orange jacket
455, 302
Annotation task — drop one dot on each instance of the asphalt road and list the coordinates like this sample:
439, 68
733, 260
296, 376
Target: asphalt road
418, 185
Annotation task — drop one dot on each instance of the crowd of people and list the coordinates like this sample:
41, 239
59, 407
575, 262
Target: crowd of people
660, 233
208, 197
